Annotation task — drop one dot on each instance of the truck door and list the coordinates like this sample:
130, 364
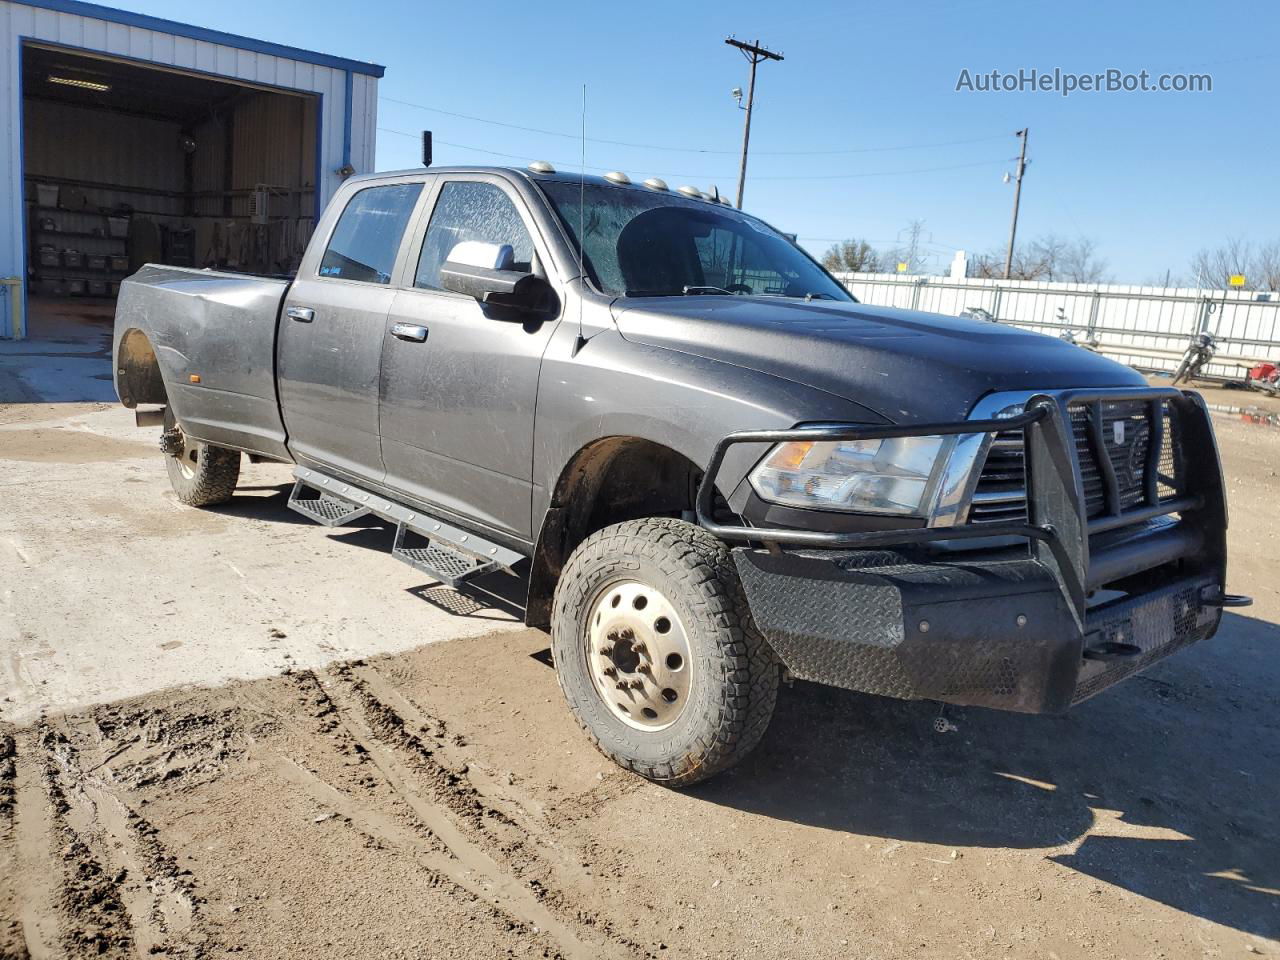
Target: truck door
458, 386
330, 344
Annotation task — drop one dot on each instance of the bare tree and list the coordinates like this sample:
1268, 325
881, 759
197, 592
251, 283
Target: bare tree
1049, 257
853, 256
990, 266
1266, 266
1081, 262
1214, 267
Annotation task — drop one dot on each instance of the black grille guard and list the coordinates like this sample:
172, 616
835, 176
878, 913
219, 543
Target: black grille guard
1058, 531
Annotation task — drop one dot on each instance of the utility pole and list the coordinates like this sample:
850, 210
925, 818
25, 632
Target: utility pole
1017, 196
754, 54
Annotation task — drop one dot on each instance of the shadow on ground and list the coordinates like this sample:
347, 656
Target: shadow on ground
1172, 776
497, 596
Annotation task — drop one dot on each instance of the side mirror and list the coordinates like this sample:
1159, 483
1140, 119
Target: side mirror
483, 271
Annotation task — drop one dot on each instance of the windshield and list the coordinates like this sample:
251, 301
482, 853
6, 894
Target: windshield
649, 244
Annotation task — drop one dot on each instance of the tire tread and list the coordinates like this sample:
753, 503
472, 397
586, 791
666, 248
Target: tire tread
748, 670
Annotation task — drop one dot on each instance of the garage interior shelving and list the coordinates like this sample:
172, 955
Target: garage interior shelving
127, 164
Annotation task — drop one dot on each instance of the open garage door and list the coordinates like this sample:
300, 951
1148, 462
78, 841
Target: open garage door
126, 164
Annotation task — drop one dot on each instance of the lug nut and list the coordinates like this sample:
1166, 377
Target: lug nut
644, 668
637, 684
606, 651
622, 685
627, 633
640, 647
610, 672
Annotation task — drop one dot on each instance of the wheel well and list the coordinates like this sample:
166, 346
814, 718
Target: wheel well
138, 371
607, 482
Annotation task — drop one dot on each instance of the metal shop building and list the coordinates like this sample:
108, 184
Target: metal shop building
129, 139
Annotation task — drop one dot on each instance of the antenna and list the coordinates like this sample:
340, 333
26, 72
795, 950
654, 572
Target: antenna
582, 226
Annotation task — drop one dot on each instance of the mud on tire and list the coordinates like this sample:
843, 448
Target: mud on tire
201, 474
735, 682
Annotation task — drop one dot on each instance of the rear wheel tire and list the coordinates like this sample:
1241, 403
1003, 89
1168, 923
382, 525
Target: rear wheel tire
201, 474
657, 654
1181, 373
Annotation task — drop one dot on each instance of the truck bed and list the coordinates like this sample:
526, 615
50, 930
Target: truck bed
214, 336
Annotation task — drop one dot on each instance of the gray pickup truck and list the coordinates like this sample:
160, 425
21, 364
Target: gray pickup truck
710, 465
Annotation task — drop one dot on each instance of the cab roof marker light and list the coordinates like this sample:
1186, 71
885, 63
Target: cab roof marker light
541, 166
689, 191
618, 177
653, 183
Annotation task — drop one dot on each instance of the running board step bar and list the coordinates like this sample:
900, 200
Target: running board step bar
440, 561
449, 554
318, 505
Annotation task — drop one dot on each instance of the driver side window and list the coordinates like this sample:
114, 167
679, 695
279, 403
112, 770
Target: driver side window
471, 210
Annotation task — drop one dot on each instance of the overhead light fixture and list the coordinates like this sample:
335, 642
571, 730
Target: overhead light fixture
82, 84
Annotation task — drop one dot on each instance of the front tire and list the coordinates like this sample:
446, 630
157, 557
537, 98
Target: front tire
657, 654
201, 474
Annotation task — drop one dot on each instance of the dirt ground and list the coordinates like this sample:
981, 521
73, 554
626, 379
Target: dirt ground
229, 732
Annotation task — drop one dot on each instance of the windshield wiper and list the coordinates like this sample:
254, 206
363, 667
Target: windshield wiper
817, 296
695, 291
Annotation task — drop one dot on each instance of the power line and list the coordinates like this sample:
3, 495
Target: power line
708, 176
653, 146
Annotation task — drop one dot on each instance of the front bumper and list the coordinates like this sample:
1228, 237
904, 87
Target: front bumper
1090, 599
994, 633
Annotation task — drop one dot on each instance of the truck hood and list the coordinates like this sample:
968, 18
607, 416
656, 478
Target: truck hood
906, 365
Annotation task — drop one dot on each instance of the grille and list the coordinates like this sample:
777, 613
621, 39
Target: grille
1001, 493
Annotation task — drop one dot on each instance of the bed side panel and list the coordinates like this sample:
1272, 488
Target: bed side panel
213, 335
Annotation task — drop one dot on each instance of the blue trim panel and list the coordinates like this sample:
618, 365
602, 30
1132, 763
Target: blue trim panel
226, 78
14, 321
142, 21
320, 171
346, 119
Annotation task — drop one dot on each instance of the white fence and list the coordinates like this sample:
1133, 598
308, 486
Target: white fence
1147, 327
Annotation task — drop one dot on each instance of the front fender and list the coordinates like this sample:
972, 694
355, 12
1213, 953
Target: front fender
617, 388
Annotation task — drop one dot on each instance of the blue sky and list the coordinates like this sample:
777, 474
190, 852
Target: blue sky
1151, 176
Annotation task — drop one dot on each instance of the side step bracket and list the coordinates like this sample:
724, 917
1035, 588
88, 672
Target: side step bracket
449, 554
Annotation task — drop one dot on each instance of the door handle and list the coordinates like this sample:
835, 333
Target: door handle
410, 332
301, 314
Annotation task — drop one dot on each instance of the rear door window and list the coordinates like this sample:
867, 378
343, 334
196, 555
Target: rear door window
471, 210
367, 238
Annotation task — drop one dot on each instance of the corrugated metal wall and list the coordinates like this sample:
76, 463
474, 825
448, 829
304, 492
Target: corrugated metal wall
19, 23
85, 144
1147, 327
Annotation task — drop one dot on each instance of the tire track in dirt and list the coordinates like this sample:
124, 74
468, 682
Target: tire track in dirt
12, 938
501, 803
35, 831
432, 782
526, 847
122, 891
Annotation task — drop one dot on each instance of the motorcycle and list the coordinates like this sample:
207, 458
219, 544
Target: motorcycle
1091, 342
979, 313
1199, 354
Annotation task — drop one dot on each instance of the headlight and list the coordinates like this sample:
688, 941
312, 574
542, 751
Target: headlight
895, 476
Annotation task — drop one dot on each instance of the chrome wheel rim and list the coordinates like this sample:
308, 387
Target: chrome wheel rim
188, 458
638, 655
